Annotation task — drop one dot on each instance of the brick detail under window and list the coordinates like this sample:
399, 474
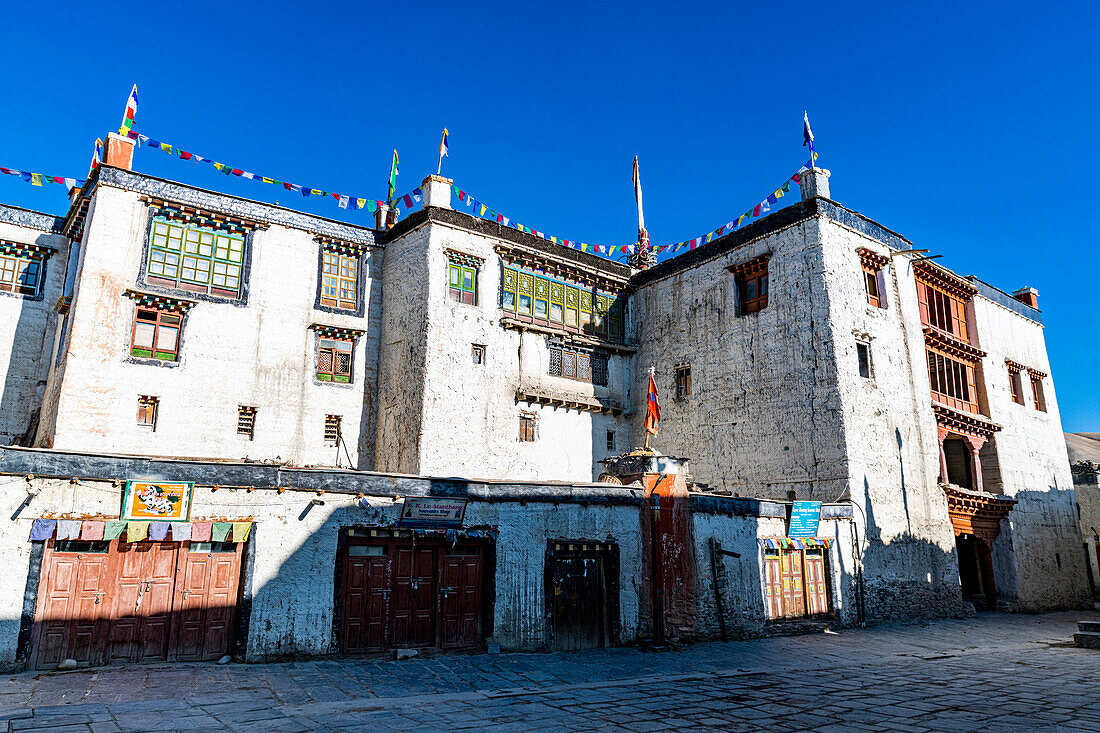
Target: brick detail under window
752, 283
246, 421
147, 411
332, 429
582, 366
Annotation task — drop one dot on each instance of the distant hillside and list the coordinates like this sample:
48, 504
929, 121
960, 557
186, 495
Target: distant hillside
1083, 447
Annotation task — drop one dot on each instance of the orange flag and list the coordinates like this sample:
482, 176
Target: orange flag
653, 409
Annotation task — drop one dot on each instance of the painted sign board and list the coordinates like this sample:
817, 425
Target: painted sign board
157, 501
425, 511
805, 517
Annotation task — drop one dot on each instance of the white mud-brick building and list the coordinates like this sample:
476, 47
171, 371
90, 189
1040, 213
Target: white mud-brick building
419, 434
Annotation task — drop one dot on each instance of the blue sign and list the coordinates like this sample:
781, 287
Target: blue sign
805, 516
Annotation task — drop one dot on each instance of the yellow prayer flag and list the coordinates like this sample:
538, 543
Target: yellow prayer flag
36, 179
267, 180
360, 203
136, 531
240, 531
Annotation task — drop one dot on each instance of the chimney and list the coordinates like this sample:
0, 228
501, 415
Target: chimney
1028, 296
437, 191
382, 217
815, 182
119, 152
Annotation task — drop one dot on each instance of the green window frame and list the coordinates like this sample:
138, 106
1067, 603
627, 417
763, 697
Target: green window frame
508, 290
462, 283
156, 334
195, 259
557, 302
334, 360
550, 301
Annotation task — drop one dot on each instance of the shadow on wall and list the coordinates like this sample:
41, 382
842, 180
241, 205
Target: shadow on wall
1040, 558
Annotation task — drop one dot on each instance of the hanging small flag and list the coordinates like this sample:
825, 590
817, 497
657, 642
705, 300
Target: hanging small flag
97, 156
808, 135
442, 152
393, 175
131, 112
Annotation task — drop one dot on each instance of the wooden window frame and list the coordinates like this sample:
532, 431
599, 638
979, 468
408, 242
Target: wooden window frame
246, 421
477, 354
944, 311
753, 285
952, 381
579, 365
332, 433
332, 348
148, 408
1015, 382
1037, 392
462, 279
17, 270
873, 266
208, 253
341, 273
683, 381
528, 427
537, 298
161, 319
863, 347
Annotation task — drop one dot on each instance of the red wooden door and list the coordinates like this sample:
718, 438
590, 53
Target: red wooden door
207, 581
413, 611
460, 599
142, 608
773, 586
365, 592
71, 607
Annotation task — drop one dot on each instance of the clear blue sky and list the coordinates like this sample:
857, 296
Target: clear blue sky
970, 128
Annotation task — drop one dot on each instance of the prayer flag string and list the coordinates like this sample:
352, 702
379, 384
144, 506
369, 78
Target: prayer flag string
39, 179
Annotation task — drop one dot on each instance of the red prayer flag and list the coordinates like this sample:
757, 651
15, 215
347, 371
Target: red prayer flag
653, 409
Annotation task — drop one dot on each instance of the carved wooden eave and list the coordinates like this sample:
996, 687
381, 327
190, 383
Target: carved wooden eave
568, 402
872, 260
61, 307
976, 513
951, 345
1015, 366
548, 264
345, 246
336, 332
1036, 373
462, 258
939, 277
203, 217
751, 267
160, 302
74, 221
964, 423
516, 324
9, 247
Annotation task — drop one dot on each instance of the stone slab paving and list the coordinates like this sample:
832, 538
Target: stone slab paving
991, 673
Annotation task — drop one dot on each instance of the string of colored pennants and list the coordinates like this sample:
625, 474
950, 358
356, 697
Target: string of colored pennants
343, 200
38, 179
483, 211
97, 529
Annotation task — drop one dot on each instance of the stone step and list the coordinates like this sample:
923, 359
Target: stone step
1088, 625
1087, 639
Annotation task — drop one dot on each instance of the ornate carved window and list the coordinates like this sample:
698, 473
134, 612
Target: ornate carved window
158, 325
539, 298
333, 352
462, 271
752, 284
196, 257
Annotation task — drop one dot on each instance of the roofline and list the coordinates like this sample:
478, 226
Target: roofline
19, 216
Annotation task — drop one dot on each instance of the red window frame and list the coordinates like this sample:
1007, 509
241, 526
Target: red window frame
162, 322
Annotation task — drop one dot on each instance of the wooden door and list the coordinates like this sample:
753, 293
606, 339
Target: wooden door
413, 613
460, 599
816, 596
794, 605
364, 602
207, 583
773, 586
142, 609
72, 605
577, 602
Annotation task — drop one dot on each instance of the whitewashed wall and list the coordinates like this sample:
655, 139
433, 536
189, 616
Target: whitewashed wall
259, 353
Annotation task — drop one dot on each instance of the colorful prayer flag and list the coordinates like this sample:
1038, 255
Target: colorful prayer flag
130, 113
393, 175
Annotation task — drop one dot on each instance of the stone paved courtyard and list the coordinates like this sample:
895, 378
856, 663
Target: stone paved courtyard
991, 673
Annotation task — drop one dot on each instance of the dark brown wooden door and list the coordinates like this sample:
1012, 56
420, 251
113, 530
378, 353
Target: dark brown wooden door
365, 599
460, 599
206, 589
71, 608
413, 609
577, 605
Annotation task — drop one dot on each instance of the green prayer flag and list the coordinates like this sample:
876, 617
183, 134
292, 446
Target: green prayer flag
113, 530
221, 530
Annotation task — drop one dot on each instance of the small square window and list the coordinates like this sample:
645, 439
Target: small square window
477, 353
332, 429
683, 381
528, 427
147, 412
863, 354
246, 421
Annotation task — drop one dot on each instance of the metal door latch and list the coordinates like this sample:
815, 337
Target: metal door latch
98, 596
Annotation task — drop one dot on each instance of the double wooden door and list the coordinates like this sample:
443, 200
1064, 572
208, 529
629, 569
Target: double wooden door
394, 594
794, 584
102, 602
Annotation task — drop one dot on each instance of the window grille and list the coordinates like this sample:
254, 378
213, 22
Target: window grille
246, 421
683, 381
332, 429
334, 360
579, 365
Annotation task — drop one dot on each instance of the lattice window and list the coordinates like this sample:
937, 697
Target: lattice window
544, 299
195, 258
579, 365
246, 421
334, 359
339, 279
